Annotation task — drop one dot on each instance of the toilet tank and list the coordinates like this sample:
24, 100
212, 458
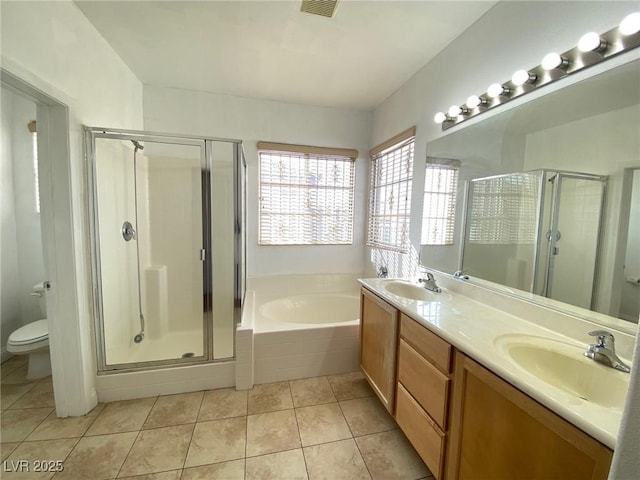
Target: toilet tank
38, 293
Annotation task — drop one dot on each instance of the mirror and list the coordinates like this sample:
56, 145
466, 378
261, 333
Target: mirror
559, 216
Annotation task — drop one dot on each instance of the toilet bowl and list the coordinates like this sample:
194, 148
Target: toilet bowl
33, 340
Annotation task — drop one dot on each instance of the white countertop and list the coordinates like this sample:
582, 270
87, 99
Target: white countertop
473, 327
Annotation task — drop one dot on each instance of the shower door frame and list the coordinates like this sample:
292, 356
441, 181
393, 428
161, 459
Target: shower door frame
553, 228
205, 144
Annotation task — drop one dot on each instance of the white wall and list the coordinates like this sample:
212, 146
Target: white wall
10, 318
53, 47
510, 36
630, 295
206, 114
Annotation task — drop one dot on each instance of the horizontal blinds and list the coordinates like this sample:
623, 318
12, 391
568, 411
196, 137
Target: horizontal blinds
503, 210
439, 203
393, 142
308, 150
390, 196
306, 199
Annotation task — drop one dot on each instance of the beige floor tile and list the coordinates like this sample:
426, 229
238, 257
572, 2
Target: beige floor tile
218, 471
98, 457
40, 396
49, 450
223, 403
123, 416
7, 448
172, 475
272, 432
347, 386
269, 397
174, 410
16, 425
335, 461
158, 450
217, 441
16, 375
311, 391
287, 465
11, 393
53, 427
389, 455
16, 361
366, 416
321, 424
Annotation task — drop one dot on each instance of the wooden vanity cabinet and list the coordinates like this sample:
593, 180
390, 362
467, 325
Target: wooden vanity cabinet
498, 432
379, 346
424, 383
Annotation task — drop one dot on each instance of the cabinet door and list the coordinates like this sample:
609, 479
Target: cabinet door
378, 346
498, 432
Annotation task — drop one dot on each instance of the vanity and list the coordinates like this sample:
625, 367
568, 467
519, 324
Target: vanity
480, 392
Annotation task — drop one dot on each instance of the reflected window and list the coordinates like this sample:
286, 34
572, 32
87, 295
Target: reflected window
439, 203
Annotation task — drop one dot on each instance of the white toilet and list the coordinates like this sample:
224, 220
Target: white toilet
33, 340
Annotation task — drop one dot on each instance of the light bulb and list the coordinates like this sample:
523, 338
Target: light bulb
439, 117
474, 101
522, 76
495, 90
553, 60
591, 42
630, 24
454, 111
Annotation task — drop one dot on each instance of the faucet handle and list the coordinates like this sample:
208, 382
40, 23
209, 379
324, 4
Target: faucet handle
603, 337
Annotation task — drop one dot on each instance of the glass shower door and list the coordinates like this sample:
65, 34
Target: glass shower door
573, 238
150, 205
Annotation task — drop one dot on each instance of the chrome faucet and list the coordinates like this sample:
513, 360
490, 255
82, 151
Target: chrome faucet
382, 271
604, 351
430, 283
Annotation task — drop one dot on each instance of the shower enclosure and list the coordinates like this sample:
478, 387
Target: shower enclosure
537, 231
168, 247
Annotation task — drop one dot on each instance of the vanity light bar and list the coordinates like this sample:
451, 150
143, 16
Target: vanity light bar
591, 50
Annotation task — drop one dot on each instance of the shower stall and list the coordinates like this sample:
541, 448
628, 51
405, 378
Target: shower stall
168, 247
537, 231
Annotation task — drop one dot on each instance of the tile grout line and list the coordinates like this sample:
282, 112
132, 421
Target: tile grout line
184, 462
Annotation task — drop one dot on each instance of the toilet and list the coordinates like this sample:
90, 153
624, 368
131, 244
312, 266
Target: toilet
33, 340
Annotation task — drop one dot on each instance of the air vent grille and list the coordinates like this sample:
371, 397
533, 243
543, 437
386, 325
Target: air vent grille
324, 8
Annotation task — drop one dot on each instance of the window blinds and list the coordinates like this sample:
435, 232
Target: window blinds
390, 194
504, 209
439, 203
306, 198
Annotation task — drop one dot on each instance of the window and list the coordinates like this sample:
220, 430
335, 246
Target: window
36, 177
390, 200
503, 209
439, 204
306, 195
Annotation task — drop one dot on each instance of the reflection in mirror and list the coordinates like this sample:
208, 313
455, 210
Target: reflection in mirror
538, 225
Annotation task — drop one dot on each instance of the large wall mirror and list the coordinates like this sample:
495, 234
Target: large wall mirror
548, 202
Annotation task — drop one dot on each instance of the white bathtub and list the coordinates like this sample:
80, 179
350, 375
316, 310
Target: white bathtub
303, 325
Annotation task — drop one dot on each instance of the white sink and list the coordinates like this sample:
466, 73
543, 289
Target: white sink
564, 366
413, 291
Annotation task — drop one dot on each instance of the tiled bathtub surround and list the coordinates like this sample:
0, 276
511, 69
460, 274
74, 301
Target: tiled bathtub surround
322, 427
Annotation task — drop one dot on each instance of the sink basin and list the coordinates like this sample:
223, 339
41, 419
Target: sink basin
410, 290
564, 366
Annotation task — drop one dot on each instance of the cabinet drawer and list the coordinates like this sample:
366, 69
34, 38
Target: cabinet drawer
425, 437
425, 383
426, 343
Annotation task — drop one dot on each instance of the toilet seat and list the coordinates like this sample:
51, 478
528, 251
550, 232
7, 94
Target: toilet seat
29, 337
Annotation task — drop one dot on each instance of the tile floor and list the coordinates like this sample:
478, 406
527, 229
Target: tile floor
318, 428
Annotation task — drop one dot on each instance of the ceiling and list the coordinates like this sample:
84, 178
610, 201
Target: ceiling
270, 50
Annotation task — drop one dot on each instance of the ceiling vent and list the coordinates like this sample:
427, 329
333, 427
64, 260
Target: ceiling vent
324, 8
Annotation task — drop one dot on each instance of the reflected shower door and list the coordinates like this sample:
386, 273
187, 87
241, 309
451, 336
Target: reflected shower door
573, 238
151, 273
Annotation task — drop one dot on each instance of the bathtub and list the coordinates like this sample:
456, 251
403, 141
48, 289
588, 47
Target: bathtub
302, 326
